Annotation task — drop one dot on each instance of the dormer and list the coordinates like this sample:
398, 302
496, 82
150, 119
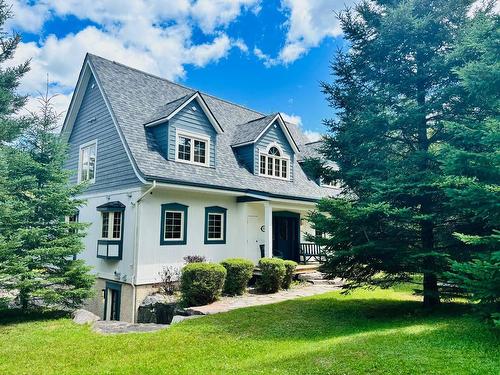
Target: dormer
186, 130
266, 147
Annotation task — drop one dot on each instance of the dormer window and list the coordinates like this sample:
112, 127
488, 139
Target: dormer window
193, 148
274, 163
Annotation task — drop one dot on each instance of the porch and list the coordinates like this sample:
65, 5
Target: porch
279, 229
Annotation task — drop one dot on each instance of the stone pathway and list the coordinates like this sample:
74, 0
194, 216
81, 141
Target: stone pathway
114, 327
316, 285
252, 299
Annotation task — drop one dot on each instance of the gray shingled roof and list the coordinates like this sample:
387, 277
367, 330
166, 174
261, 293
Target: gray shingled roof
249, 131
166, 109
135, 96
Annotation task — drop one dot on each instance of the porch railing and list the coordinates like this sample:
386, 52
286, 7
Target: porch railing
310, 251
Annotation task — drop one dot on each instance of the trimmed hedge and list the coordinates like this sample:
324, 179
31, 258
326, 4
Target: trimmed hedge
290, 267
201, 283
272, 273
239, 273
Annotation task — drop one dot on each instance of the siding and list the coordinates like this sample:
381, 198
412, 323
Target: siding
160, 133
113, 167
194, 121
273, 134
245, 155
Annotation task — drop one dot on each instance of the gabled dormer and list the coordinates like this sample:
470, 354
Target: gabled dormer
186, 131
266, 147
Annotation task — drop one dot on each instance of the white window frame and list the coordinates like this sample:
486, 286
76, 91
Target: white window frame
282, 156
193, 137
221, 238
165, 225
111, 221
80, 161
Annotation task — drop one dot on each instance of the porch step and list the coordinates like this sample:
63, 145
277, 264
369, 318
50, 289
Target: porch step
302, 269
318, 278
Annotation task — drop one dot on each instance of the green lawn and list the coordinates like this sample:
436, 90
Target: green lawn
375, 332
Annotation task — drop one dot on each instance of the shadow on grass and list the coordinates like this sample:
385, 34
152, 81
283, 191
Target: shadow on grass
320, 318
16, 316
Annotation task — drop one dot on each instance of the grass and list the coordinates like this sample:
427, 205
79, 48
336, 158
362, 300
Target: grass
375, 332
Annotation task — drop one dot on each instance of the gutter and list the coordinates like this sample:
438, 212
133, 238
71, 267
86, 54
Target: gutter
230, 189
136, 248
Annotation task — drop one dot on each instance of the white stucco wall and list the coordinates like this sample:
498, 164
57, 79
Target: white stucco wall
243, 231
153, 256
121, 270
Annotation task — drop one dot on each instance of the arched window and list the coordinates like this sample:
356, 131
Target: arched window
274, 163
274, 151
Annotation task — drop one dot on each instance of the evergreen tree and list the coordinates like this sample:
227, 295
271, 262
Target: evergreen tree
10, 100
471, 161
397, 90
39, 261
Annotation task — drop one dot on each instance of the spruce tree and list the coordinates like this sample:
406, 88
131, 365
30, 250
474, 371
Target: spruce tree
10, 101
471, 162
396, 90
39, 261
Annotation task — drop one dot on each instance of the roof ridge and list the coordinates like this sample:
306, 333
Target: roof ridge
174, 83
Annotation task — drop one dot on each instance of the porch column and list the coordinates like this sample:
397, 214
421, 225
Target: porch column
268, 223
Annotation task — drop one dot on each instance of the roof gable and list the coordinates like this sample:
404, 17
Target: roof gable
252, 131
169, 110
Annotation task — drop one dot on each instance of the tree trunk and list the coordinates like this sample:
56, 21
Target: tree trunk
431, 291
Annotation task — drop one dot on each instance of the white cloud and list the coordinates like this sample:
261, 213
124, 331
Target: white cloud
28, 17
266, 59
312, 135
293, 119
211, 14
147, 35
240, 43
297, 120
308, 24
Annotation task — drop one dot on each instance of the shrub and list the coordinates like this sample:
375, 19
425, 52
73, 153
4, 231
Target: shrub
194, 259
169, 278
272, 274
201, 283
290, 267
239, 273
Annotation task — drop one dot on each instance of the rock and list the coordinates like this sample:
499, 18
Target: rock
153, 299
82, 316
157, 308
179, 318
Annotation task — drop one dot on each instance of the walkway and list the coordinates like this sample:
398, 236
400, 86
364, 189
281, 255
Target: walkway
252, 299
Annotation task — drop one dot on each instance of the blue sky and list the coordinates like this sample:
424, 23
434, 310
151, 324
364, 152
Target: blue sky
267, 55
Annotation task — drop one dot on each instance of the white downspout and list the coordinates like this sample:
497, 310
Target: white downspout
136, 249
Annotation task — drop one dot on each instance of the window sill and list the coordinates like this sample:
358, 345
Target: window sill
173, 242
274, 177
206, 165
215, 242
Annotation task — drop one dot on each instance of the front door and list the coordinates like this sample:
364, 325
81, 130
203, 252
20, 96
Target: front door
112, 297
286, 234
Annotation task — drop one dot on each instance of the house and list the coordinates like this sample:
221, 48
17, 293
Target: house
171, 172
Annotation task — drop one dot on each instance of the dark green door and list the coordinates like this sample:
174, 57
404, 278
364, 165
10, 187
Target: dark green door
286, 234
112, 301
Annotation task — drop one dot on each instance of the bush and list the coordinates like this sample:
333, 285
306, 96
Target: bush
169, 278
272, 274
239, 273
290, 267
201, 283
194, 259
